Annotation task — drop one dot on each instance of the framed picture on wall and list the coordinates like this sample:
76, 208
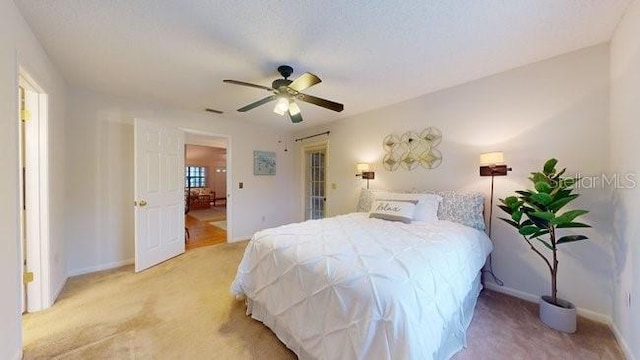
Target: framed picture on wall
264, 163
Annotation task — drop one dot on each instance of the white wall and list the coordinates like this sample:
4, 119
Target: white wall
554, 108
18, 46
101, 184
625, 133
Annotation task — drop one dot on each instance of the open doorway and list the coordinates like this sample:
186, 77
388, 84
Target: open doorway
34, 194
206, 174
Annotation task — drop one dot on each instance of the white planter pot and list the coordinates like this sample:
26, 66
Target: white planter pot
562, 318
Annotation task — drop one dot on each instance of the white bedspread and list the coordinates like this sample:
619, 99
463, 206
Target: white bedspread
351, 287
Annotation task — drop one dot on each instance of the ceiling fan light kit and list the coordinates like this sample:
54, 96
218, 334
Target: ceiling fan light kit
286, 92
294, 109
281, 106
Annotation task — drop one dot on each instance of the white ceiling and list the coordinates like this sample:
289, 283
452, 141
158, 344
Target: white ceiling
368, 53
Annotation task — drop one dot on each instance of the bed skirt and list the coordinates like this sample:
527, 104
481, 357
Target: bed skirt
455, 333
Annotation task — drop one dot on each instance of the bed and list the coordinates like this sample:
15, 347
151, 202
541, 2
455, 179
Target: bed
357, 287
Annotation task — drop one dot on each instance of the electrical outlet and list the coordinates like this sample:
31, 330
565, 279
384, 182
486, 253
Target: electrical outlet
264, 218
334, 186
241, 185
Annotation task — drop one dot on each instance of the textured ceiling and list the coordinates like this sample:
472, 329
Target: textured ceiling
368, 53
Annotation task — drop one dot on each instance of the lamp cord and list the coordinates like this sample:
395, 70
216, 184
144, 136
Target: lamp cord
490, 270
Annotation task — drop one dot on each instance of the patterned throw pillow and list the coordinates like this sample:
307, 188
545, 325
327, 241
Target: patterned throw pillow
466, 208
463, 207
366, 199
393, 210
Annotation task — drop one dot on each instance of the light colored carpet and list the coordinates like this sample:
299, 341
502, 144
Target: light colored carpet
220, 224
182, 309
210, 214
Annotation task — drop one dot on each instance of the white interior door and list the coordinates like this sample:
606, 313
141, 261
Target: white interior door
34, 252
159, 191
23, 230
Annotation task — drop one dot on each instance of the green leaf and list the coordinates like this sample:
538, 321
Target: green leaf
572, 214
505, 209
516, 215
562, 193
539, 233
511, 222
558, 175
528, 210
528, 230
545, 244
571, 238
572, 225
559, 203
550, 166
525, 193
567, 183
511, 201
542, 198
543, 187
526, 222
538, 222
537, 177
546, 215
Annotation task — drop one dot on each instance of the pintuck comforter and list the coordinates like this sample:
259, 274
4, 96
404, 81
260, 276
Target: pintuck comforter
352, 287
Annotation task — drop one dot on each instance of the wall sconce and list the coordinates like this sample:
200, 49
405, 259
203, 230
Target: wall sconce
363, 170
224, 170
492, 164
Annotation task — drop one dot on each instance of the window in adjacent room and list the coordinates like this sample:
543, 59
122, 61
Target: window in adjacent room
196, 177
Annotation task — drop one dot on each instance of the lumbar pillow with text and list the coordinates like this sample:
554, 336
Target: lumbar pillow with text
426, 204
393, 210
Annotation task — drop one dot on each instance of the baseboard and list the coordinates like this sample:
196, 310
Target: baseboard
513, 292
623, 344
19, 355
589, 314
239, 239
100, 267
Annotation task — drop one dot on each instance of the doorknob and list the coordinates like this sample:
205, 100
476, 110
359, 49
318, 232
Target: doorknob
142, 203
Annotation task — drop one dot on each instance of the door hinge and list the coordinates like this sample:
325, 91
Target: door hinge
27, 277
25, 115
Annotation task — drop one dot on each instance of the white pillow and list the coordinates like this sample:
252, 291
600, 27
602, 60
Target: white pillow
393, 210
426, 208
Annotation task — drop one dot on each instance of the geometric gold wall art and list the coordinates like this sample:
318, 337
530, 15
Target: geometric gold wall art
412, 150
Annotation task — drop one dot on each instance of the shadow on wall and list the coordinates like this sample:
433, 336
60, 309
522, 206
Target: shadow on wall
619, 234
115, 188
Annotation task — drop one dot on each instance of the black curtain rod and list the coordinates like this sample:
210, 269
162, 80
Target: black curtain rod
312, 136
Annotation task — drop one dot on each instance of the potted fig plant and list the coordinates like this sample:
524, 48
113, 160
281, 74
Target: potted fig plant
536, 214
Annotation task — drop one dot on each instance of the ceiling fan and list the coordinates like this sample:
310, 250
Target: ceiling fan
287, 91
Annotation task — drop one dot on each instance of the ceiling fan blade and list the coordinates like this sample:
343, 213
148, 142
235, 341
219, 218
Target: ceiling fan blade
214, 111
297, 118
320, 102
257, 103
236, 82
305, 81
293, 108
